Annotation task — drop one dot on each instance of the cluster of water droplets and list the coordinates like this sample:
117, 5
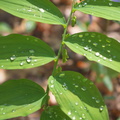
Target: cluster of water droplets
34, 10
54, 115
95, 45
73, 116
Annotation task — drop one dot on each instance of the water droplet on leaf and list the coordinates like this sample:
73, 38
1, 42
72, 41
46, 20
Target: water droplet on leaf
69, 113
83, 88
31, 51
13, 58
22, 63
29, 60
101, 108
97, 54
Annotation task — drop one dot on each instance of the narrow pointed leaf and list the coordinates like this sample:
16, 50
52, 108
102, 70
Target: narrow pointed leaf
20, 52
77, 96
100, 8
20, 98
37, 10
96, 47
54, 113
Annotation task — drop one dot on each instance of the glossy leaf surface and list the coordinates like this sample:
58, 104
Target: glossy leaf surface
77, 96
96, 47
20, 98
37, 10
54, 113
20, 52
101, 8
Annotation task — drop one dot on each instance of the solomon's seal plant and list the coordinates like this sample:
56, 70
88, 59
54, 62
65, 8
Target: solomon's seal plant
77, 97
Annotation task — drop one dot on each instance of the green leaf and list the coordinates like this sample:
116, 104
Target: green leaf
96, 47
53, 113
37, 10
100, 8
77, 96
20, 98
20, 52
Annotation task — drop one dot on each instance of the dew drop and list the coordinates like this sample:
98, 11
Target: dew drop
104, 58
52, 86
76, 103
80, 36
52, 81
31, 51
95, 44
110, 4
108, 51
110, 59
22, 63
35, 60
89, 50
86, 34
101, 108
86, 48
41, 10
101, 56
2, 66
86, 108
69, 113
29, 10
13, 110
83, 88
108, 40
97, 101
91, 83
84, 4
76, 86
89, 41
62, 75
97, 54
64, 85
74, 118
13, 58
83, 116
93, 97
28, 60
98, 60
84, 80
103, 46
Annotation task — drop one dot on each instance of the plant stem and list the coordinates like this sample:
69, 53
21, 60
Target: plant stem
62, 43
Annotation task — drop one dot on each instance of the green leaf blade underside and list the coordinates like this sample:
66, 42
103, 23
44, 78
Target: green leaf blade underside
37, 10
96, 47
77, 96
21, 52
54, 113
20, 98
100, 8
